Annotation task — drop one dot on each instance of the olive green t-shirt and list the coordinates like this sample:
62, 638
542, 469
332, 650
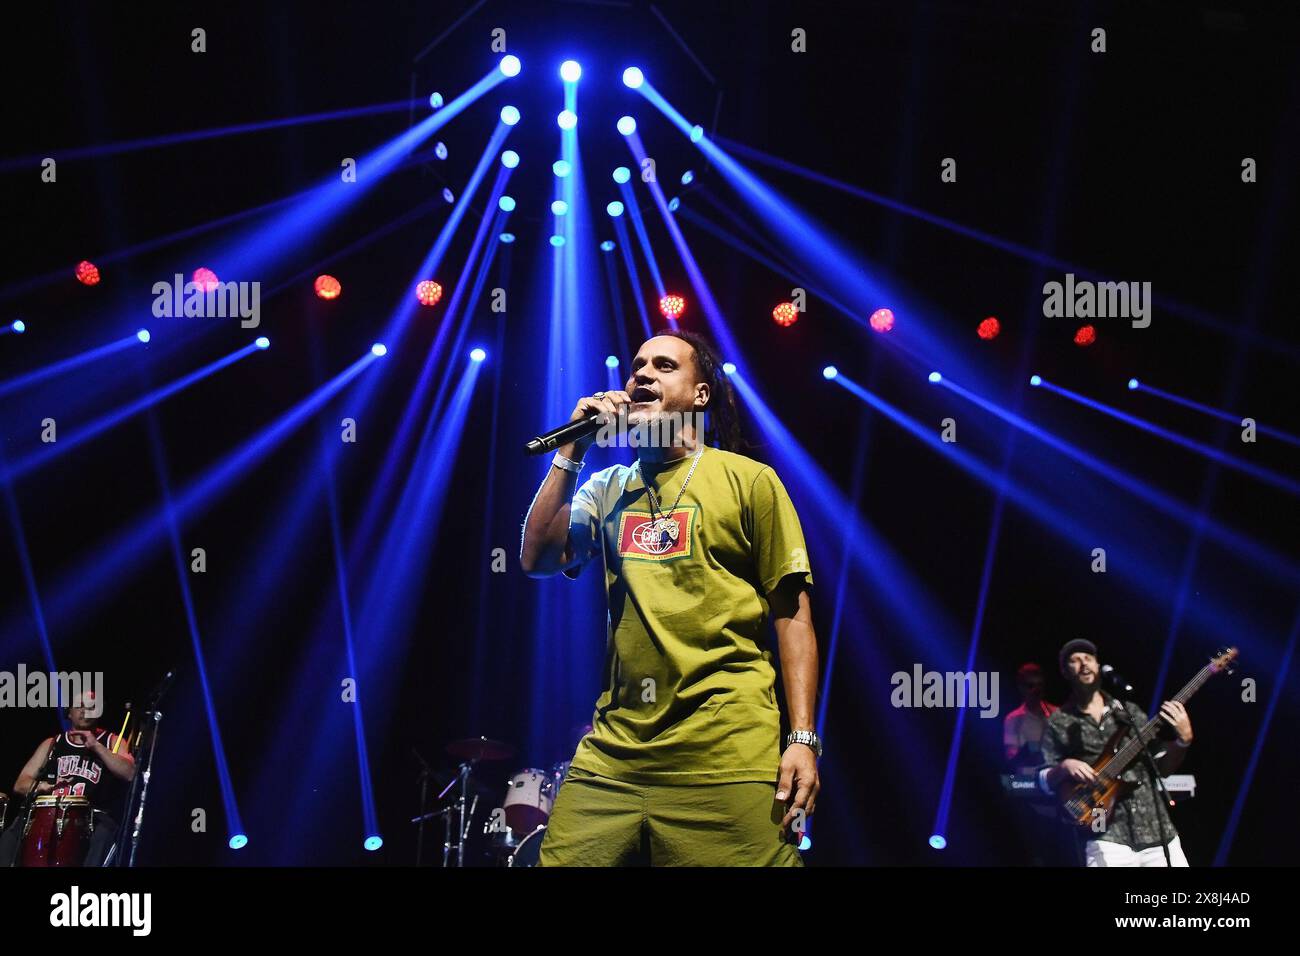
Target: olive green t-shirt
689, 688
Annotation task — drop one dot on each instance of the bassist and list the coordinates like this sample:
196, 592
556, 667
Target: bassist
1139, 831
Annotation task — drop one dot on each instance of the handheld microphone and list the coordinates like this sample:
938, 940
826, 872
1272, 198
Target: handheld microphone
568, 432
1115, 680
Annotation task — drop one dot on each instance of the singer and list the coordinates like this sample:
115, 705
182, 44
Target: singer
1140, 832
700, 545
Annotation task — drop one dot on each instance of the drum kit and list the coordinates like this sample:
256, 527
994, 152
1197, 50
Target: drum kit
508, 834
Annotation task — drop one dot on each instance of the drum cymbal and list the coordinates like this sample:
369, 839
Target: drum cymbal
480, 748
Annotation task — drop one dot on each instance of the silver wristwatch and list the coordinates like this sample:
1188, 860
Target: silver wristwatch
806, 737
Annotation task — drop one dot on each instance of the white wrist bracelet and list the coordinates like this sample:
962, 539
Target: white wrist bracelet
567, 464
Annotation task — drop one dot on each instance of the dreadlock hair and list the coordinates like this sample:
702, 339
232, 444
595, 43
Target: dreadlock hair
723, 429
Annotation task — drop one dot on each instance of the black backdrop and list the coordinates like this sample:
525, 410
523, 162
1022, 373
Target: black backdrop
1127, 161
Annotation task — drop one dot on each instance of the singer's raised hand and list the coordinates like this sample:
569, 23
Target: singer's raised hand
605, 403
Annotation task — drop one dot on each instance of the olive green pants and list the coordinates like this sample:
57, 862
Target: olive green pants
598, 821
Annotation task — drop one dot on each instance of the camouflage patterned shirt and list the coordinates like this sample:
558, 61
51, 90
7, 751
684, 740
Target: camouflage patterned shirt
1137, 818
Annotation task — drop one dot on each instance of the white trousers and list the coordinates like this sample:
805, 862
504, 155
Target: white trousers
1106, 853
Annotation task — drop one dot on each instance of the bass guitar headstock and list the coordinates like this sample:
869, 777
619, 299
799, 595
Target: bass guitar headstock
1222, 662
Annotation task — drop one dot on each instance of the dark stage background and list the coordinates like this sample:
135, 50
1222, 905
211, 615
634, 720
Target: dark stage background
1127, 161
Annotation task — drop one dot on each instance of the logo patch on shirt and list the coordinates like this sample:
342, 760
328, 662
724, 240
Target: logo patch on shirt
639, 539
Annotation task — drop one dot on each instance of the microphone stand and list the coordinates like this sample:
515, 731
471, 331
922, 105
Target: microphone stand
138, 823
1157, 783
135, 823
424, 802
462, 825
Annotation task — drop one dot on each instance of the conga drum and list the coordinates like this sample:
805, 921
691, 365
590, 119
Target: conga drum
58, 833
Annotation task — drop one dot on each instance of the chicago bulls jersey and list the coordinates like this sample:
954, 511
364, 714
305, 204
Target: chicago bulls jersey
84, 770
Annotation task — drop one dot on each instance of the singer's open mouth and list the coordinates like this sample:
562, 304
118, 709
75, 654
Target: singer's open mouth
643, 396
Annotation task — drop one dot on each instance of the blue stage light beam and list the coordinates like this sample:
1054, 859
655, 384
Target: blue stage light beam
764, 253
977, 625
841, 590
234, 824
455, 321
407, 305
633, 277
633, 208
402, 515
194, 136
717, 324
259, 251
1065, 524
85, 433
108, 258
399, 570
260, 583
1020, 251
576, 338
416, 212
1248, 778
399, 321
902, 595
329, 444
898, 595
616, 302
1213, 412
66, 365
78, 590
29, 573
471, 303
1268, 477
813, 246
1276, 563
478, 693
370, 817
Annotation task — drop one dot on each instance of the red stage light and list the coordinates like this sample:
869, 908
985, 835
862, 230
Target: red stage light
87, 273
328, 287
989, 328
672, 306
428, 292
1085, 336
205, 279
785, 314
882, 320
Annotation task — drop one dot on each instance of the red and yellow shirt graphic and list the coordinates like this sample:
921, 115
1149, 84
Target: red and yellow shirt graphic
640, 540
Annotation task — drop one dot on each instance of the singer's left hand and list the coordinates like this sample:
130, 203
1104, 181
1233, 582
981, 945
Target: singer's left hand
797, 784
1175, 714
